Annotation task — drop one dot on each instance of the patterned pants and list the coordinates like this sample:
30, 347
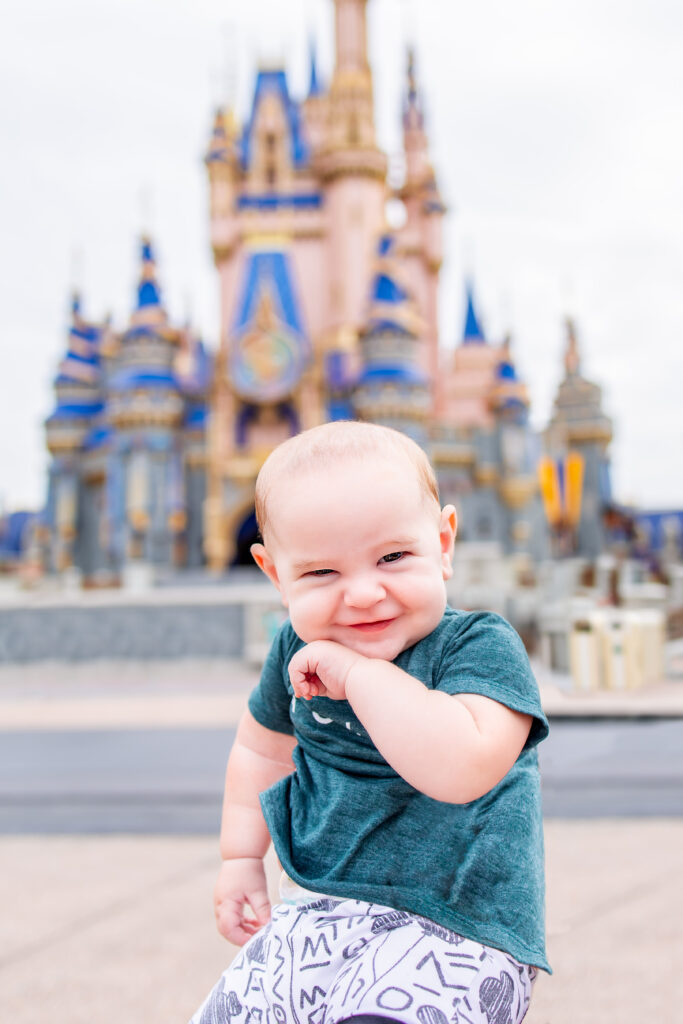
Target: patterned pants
324, 961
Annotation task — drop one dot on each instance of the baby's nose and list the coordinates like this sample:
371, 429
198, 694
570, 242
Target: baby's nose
363, 591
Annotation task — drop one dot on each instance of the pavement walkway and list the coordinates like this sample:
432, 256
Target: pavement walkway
213, 691
99, 930
102, 929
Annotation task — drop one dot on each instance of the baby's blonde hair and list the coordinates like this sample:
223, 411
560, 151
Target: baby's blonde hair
332, 443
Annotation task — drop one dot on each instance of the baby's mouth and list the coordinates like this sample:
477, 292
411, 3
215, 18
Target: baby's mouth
371, 627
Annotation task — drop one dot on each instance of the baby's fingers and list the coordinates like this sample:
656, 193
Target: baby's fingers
307, 689
231, 923
234, 926
305, 682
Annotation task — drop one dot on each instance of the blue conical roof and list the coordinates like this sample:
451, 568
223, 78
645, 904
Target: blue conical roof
314, 85
473, 331
149, 293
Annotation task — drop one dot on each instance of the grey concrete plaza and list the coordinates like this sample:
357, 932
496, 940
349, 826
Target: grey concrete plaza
98, 930
103, 929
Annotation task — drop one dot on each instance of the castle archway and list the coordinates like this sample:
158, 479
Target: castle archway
246, 534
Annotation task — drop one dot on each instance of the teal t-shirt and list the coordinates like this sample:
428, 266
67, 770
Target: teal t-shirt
346, 824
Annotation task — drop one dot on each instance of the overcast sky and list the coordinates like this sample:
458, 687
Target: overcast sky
557, 138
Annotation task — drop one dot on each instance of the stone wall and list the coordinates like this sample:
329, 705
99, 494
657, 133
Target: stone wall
201, 624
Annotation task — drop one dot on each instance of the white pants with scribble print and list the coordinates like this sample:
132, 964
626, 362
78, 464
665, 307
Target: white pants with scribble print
324, 961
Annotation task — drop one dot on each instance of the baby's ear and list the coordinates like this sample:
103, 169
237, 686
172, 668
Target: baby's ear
265, 563
448, 527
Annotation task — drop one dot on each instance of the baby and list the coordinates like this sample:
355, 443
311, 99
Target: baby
389, 753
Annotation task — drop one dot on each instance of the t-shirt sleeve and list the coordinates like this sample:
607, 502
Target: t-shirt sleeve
269, 701
486, 656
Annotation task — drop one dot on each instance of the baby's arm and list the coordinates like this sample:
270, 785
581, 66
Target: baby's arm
259, 758
452, 748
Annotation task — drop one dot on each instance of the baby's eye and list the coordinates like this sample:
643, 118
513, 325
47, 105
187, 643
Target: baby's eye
395, 556
320, 572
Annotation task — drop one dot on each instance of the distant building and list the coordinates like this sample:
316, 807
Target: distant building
326, 313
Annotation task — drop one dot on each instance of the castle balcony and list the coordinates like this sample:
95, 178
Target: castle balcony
518, 491
65, 437
146, 409
452, 454
351, 161
288, 220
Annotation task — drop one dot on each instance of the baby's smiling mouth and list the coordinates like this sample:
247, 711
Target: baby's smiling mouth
371, 627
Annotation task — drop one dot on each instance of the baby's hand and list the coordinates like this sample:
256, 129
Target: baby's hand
241, 882
321, 669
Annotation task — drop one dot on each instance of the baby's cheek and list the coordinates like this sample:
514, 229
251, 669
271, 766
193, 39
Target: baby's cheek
308, 617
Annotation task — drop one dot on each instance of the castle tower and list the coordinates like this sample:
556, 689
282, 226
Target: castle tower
421, 242
352, 172
471, 376
70, 431
516, 458
579, 425
193, 369
392, 389
145, 410
297, 206
267, 230
464, 451
315, 107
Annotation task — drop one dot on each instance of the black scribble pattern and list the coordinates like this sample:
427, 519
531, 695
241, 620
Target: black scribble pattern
495, 999
334, 959
221, 1006
431, 1015
256, 950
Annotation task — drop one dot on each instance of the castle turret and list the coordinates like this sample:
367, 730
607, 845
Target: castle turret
516, 457
470, 378
353, 171
421, 237
145, 410
222, 163
77, 418
315, 106
578, 426
194, 368
391, 389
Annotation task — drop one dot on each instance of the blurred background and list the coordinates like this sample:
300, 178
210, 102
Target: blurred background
222, 225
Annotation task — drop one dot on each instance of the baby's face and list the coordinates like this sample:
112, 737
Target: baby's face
360, 556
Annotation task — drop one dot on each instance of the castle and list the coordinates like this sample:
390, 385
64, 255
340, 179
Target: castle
327, 312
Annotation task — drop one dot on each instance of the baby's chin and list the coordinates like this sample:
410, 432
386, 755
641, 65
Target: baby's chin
384, 648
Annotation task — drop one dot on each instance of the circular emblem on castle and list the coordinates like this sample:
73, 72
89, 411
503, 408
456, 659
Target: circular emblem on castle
267, 359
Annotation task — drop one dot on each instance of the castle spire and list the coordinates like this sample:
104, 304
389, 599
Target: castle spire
352, 169
473, 331
148, 288
352, 117
571, 355
351, 46
148, 307
413, 116
314, 87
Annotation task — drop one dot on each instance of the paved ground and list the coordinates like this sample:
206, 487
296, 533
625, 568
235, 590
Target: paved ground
169, 781
104, 930
194, 691
110, 929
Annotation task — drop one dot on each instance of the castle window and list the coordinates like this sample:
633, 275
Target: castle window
270, 159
